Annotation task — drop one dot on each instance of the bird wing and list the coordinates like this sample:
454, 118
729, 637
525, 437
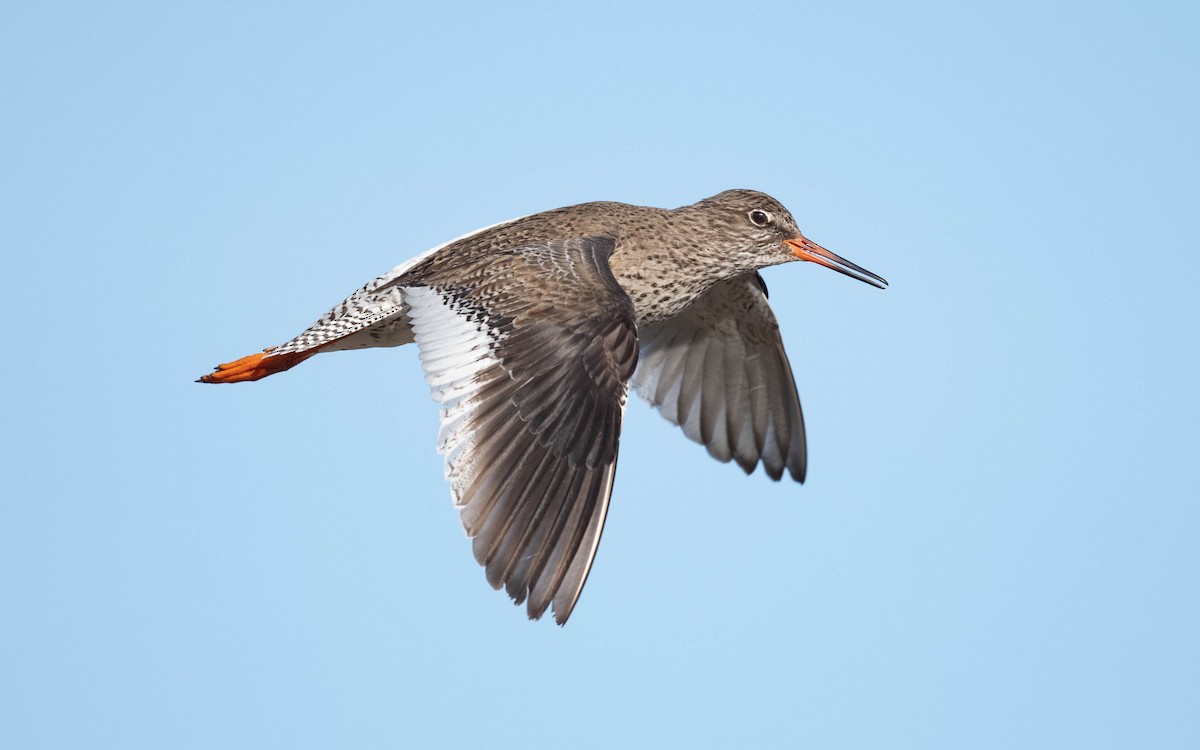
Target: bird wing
719, 371
529, 352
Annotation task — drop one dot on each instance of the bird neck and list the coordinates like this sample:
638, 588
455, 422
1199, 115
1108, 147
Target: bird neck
661, 277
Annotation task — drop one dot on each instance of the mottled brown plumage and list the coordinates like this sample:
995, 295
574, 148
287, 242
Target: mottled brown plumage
530, 332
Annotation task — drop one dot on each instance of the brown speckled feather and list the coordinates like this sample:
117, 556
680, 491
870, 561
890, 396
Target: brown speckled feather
532, 385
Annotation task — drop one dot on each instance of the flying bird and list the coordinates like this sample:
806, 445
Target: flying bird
530, 333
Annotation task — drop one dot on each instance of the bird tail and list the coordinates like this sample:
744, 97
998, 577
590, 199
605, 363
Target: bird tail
255, 366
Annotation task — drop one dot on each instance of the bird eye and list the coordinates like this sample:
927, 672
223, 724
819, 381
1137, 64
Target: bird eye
760, 218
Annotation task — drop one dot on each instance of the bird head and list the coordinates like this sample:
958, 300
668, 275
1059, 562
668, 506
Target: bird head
757, 231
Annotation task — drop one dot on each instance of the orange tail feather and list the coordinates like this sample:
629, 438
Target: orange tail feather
255, 367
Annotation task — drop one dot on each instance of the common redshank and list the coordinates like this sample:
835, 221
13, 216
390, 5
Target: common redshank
531, 332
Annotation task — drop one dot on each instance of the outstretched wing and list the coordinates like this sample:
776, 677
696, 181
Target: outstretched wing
529, 352
718, 370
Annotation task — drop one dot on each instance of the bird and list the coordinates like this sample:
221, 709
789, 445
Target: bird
531, 332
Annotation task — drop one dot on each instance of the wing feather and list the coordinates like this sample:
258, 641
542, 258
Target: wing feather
530, 358
719, 371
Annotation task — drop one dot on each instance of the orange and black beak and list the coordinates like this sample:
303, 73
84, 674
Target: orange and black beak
805, 249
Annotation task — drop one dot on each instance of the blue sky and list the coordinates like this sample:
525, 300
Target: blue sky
996, 545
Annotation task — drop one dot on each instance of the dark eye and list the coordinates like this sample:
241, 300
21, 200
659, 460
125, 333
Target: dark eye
760, 218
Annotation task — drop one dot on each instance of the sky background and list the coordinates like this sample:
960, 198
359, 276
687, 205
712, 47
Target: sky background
996, 546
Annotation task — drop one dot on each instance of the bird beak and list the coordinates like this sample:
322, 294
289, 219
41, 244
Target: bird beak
805, 249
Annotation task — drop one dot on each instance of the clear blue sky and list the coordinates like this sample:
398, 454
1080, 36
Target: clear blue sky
997, 544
